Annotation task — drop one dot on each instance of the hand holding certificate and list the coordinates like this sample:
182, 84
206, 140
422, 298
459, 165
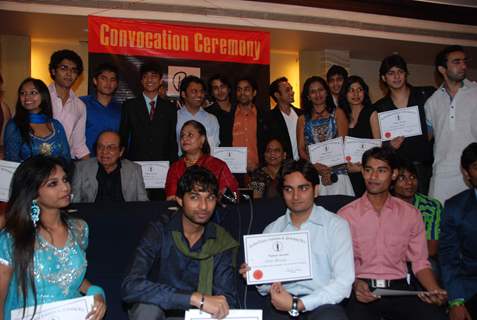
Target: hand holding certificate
234, 157
278, 257
402, 122
154, 173
72, 309
7, 169
329, 153
355, 147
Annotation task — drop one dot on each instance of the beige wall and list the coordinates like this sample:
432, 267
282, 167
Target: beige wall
14, 64
286, 63
41, 50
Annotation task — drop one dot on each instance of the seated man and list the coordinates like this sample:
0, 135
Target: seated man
331, 252
187, 262
387, 232
405, 188
107, 177
458, 243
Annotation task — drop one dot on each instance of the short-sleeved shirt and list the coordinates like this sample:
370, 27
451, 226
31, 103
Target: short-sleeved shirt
431, 210
100, 118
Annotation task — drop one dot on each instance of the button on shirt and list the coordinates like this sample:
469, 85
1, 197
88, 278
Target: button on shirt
453, 122
208, 120
382, 243
244, 134
72, 115
100, 118
331, 258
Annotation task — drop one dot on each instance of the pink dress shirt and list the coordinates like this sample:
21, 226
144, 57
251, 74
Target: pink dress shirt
383, 243
72, 116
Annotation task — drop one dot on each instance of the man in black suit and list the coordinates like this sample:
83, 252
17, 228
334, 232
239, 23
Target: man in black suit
148, 123
284, 117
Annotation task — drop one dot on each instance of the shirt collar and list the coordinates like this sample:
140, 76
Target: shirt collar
314, 217
175, 224
367, 206
148, 100
239, 110
52, 88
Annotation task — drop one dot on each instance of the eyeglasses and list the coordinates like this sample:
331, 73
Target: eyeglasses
108, 148
402, 178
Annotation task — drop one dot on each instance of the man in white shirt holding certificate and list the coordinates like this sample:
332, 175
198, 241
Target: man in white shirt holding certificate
331, 252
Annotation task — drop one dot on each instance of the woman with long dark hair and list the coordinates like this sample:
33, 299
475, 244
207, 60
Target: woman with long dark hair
42, 249
363, 122
320, 122
33, 130
196, 151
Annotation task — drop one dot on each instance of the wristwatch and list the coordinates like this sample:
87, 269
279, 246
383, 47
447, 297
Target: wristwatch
294, 309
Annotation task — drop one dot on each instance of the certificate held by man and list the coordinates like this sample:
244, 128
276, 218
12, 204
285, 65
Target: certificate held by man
154, 173
329, 153
278, 257
402, 122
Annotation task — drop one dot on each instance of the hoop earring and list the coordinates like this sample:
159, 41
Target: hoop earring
35, 212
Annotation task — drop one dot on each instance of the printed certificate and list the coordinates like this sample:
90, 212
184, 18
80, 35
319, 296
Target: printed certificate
329, 153
7, 169
403, 122
72, 309
355, 147
234, 157
237, 314
154, 173
278, 257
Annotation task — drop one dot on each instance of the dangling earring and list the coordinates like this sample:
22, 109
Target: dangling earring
35, 212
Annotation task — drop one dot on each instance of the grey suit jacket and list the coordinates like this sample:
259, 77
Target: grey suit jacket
85, 185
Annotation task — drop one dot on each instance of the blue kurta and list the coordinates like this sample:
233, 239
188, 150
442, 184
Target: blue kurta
17, 150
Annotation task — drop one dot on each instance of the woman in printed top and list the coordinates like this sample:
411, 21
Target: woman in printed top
320, 122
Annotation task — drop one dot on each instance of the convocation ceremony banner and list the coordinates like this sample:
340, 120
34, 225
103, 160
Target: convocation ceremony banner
180, 50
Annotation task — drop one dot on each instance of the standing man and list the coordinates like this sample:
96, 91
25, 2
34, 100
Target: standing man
249, 127
148, 123
65, 67
387, 233
220, 89
331, 252
335, 77
393, 74
451, 113
458, 245
192, 91
284, 117
102, 112
187, 262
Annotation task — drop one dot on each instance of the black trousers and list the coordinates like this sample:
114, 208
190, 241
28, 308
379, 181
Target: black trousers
143, 311
424, 173
471, 306
394, 308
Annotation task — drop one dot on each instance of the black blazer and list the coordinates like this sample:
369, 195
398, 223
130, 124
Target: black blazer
145, 139
278, 129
